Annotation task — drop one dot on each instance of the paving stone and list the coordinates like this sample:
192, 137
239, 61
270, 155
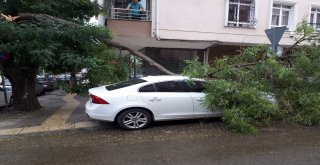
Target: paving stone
59, 107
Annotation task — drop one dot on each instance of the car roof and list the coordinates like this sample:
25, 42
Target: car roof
163, 78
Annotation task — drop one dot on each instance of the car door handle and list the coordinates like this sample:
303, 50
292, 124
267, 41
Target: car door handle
155, 99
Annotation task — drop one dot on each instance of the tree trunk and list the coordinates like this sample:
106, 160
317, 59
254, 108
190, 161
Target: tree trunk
137, 54
23, 90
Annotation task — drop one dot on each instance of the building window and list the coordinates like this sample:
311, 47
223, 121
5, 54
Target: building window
281, 15
241, 13
315, 18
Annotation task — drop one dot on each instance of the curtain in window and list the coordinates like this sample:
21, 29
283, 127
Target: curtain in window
285, 18
275, 17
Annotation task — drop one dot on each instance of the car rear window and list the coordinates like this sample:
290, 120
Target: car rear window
148, 88
124, 84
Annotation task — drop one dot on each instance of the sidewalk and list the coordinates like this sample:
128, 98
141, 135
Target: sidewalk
60, 111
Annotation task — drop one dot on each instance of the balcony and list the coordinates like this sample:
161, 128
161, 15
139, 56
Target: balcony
128, 14
129, 23
136, 32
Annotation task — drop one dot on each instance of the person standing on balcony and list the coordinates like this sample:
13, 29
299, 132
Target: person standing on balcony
136, 8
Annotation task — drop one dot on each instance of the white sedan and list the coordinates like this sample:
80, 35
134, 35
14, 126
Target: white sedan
134, 104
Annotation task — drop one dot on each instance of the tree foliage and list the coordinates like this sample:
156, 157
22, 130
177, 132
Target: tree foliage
58, 40
76, 10
245, 85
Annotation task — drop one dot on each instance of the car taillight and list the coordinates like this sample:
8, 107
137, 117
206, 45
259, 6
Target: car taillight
98, 100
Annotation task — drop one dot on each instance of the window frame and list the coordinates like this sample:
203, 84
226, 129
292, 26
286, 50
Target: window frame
293, 13
252, 18
313, 22
282, 8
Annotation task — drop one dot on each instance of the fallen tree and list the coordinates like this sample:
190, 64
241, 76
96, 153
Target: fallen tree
258, 88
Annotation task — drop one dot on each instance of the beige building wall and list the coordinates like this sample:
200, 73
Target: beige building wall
205, 20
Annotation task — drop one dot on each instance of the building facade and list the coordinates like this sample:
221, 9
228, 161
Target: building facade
171, 31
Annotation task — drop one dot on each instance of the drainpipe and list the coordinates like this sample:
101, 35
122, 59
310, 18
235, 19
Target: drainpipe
157, 20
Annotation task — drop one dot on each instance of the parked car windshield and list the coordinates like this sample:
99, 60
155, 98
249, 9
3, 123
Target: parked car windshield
124, 84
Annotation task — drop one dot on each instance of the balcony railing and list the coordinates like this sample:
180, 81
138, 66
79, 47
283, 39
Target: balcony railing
128, 14
247, 24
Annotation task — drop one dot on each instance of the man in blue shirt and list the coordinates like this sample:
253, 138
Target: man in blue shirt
136, 7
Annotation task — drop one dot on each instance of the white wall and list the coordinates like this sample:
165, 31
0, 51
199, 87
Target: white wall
205, 20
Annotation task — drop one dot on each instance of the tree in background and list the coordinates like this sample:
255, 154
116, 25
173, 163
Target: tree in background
53, 35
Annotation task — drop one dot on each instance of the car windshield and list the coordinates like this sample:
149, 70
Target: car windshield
124, 84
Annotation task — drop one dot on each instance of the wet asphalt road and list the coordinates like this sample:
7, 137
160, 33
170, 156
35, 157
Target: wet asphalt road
166, 143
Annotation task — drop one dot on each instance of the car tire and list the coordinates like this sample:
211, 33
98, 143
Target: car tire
134, 119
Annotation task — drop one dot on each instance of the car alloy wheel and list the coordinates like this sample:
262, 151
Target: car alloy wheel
134, 119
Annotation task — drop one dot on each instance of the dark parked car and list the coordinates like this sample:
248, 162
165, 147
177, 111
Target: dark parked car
47, 83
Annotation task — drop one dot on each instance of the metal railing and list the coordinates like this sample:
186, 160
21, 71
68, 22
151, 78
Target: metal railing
129, 14
249, 24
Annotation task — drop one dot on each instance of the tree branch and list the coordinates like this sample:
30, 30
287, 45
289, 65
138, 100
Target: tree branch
138, 54
248, 64
23, 16
304, 38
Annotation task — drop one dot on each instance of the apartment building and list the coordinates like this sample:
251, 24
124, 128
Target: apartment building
171, 31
